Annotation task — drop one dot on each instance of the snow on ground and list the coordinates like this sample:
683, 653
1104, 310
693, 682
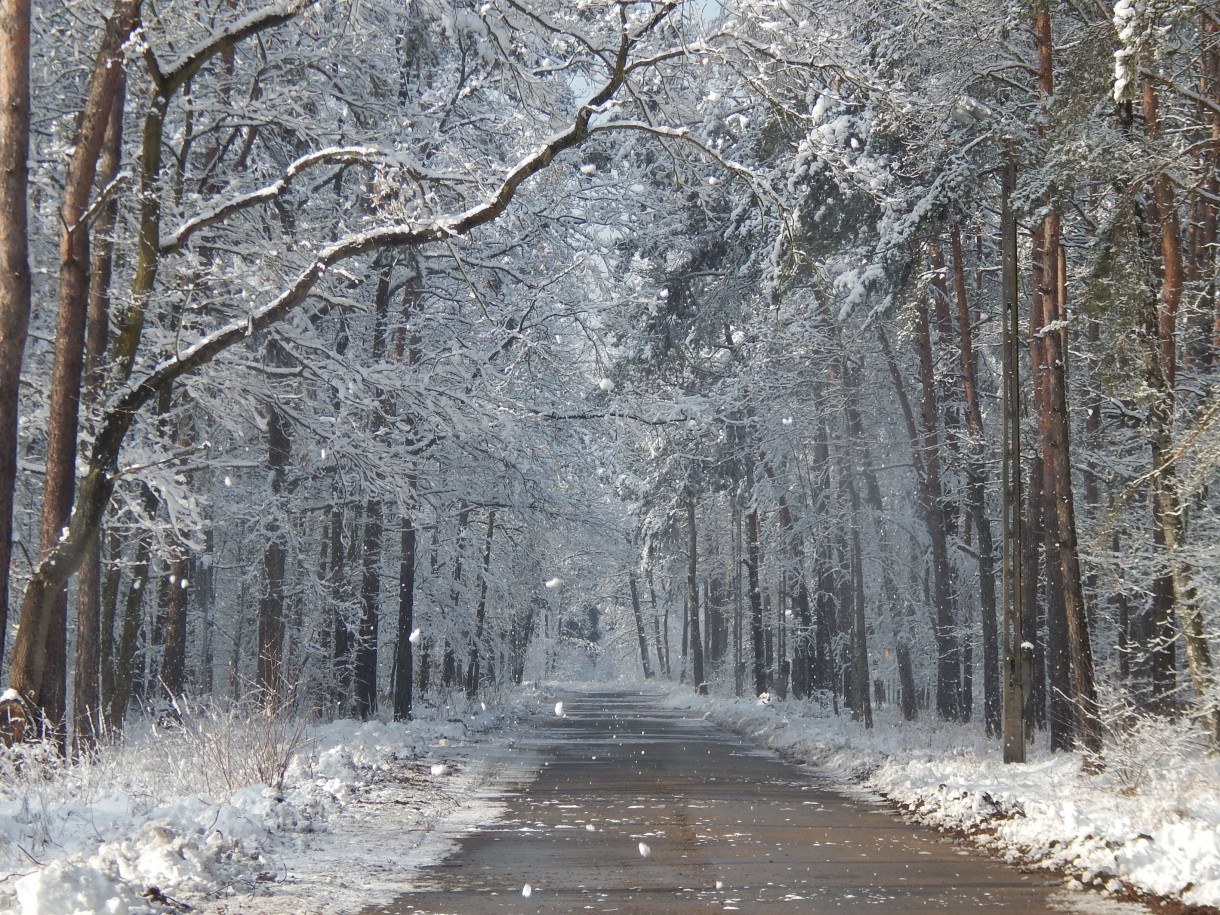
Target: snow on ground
187, 814
1150, 820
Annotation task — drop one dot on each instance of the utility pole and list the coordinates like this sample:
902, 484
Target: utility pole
1018, 658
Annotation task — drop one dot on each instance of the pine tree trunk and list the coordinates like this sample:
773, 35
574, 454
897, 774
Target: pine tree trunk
96, 600
39, 665
1169, 521
854, 425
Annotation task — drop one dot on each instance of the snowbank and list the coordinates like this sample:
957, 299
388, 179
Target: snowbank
171, 816
1150, 822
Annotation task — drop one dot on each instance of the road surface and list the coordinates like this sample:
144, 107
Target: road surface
637, 808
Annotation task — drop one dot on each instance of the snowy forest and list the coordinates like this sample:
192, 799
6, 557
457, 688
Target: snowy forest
357, 353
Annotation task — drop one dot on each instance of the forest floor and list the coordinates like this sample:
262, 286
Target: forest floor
183, 816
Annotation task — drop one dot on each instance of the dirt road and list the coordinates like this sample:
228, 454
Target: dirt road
639, 809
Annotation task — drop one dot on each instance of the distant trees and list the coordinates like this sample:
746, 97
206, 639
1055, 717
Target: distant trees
326, 378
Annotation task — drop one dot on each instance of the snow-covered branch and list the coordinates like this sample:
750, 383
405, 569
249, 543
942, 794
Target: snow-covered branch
342, 155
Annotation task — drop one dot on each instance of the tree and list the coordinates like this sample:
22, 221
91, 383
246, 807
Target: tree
14, 261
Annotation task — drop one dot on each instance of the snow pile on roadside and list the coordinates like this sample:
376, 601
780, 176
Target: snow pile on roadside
174, 815
1150, 821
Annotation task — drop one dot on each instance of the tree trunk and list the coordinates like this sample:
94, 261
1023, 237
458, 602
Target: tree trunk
662, 655
976, 492
1054, 430
404, 673
449, 671
822, 677
39, 667
364, 675
754, 592
926, 455
109, 613
1169, 521
86, 705
692, 599
862, 706
204, 586
14, 260
272, 604
337, 586
173, 662
474, 673
95, 601
633, 580
854, 425
1033, 612
125, 657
